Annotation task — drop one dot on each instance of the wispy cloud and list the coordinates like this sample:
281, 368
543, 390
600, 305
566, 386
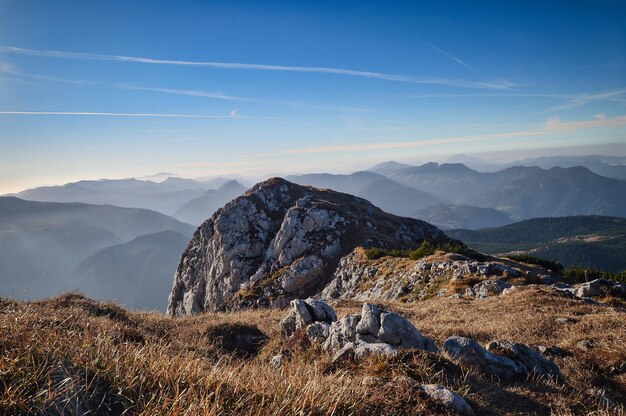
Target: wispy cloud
495, 84
108, 114
581, 100
10, 69
454, 58
225, 97
552, 126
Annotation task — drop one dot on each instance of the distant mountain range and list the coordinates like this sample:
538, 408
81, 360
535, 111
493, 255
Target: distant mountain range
41, 243
97, 236
387, 194
169, 197
587, 241
609, 166
520, 192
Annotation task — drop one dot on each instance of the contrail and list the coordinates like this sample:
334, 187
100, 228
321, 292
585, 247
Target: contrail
495, 85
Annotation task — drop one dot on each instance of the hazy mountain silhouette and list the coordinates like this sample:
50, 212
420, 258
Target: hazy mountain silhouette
137, 274
41, 242
557, 192
387, 194
165, 197
199, 209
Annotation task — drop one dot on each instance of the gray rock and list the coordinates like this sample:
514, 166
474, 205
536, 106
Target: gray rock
301, 311
370, 320
448, 399
470, 354
397, 331
288, 324
530, 361
358, 350
341, 332
318, 332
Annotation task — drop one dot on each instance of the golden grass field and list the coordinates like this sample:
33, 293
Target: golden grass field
71, 355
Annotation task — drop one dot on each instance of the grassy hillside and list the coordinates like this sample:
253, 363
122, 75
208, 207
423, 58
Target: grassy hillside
70, 355
587, 241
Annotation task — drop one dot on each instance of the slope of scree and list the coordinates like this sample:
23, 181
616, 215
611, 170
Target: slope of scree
281, 241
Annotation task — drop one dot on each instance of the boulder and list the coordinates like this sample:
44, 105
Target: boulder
370, 320
532, 362
470, 354
399, 332
503, 359
448, 399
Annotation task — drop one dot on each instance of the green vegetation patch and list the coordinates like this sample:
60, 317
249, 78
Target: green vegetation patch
424, 250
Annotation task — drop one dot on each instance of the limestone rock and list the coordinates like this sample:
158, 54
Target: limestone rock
487, 288
397, 331
370, 320
309, 313
342, 332
448, 399
282, 241
358, 350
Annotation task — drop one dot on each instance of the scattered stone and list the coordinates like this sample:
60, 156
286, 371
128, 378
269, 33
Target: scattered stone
277, 361
342, 332
564, 321
449, 400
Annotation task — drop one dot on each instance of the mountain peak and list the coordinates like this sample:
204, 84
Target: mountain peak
281, 241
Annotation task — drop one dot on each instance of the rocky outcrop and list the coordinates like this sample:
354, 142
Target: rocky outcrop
388, 278
374, 331
282, 241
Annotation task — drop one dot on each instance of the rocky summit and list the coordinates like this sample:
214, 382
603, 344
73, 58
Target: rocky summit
281, 241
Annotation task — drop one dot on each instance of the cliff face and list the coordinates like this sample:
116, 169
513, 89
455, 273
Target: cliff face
282, 241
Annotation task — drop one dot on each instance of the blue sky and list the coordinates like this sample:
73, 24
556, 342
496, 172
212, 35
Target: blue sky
117, 88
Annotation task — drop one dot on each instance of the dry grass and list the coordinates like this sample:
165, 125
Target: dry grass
68, 355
